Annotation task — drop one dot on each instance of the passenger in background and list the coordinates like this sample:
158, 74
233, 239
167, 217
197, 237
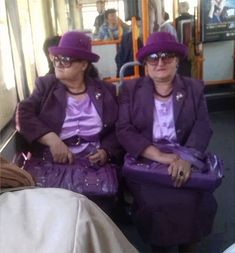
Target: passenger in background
71, 115
183, 13
155, 11
49, 42
125, 52
113, 28
99, 20
165, 107
165, 25
185, 33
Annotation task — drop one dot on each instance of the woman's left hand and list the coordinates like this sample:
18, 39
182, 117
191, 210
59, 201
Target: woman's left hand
100, 157
180, 171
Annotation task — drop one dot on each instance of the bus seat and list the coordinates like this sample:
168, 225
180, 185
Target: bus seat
13, 146
21, 150
124, 67
185, 31
107, 62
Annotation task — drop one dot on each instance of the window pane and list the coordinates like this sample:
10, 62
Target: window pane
8, 97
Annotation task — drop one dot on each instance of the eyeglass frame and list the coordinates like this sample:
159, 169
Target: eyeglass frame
61, 61
166, 58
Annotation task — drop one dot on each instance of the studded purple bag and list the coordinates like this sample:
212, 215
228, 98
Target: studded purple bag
79, 177
206, 175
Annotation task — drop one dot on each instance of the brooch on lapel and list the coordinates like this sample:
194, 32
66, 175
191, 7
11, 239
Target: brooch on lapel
97, 95
179, 96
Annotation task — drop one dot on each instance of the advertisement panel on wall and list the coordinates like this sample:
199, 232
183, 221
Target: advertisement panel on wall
218, 20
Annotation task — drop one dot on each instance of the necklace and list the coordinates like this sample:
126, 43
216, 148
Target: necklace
77, 93
164, 96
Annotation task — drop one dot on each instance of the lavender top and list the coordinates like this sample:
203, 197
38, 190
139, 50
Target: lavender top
83, 120
163, 121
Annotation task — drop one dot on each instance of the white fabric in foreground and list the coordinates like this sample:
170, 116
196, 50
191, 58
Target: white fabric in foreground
231, 249
46, 220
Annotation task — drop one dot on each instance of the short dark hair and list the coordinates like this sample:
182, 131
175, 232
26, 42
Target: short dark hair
100, 1
166, 16
49, 42
109, 11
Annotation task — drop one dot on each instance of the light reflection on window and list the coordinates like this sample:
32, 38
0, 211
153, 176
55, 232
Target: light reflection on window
8, 98
7, 71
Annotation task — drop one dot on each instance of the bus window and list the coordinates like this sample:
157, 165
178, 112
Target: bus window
8, 97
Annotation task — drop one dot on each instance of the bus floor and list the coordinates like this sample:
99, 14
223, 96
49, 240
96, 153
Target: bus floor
223, 233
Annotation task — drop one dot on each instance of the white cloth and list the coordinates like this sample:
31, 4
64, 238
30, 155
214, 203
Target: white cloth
231, 249
46, 220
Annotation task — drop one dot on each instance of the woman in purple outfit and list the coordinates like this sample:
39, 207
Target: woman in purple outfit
166, 107
72, 113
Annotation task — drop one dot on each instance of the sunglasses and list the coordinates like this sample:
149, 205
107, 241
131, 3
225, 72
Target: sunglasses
63, 61
166, 58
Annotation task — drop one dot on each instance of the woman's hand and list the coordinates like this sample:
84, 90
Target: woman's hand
60, 152
100, 157
154, 154
180, 171
167, 158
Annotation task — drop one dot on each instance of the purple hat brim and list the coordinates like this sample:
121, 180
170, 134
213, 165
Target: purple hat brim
167, 46
74, 53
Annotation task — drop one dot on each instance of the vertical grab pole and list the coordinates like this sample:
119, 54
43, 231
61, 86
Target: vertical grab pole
198, 44
145, 20
175, 11
135, 44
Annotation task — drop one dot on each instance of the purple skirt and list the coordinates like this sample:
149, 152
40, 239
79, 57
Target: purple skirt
172, 216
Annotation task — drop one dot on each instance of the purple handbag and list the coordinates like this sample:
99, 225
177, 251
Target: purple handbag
79, 177
207, 173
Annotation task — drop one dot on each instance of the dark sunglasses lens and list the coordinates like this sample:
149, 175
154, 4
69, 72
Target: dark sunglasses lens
153, 59
62, 61
165, 57
66, 59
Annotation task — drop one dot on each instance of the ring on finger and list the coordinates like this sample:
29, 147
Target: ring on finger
181, 173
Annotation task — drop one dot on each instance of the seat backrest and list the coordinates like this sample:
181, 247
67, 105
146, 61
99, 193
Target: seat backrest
123, 69
185, 31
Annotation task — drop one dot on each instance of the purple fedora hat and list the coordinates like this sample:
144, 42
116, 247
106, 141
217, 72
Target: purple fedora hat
161, 42
76, 45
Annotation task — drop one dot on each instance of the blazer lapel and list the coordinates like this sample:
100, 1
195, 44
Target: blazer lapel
60, 93
145, 99
178, 97
96, 94
58, 103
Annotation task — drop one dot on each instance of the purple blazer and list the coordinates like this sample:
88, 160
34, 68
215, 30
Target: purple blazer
135, 123
44, 111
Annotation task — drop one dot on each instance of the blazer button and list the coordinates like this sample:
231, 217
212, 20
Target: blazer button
178, 131
105, 125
